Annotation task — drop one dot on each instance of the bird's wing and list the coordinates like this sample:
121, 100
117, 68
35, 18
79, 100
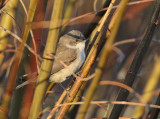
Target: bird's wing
64, 54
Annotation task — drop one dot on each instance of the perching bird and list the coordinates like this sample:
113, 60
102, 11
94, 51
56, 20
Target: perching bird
70, 50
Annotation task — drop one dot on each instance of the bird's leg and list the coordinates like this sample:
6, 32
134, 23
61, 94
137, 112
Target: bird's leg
78, 73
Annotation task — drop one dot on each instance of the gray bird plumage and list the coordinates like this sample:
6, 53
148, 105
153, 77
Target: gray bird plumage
70, 50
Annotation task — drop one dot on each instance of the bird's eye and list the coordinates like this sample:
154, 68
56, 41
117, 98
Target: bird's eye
77, 40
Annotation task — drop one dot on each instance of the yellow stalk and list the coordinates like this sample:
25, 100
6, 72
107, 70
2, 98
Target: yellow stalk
47, 64
148, 90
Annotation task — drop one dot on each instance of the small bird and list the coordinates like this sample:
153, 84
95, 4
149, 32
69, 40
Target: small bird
70, 50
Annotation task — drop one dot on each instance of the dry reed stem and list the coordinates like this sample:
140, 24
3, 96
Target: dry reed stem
116, 23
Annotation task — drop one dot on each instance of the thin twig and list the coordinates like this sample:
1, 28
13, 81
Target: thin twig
65, 22
113, 102
31, 32
20, 40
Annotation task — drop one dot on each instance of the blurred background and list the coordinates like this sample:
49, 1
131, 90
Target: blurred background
78, 14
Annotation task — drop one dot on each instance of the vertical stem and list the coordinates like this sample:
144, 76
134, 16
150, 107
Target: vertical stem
135, 65
104, 55
47, 64
18, 56
28, 96
6, 22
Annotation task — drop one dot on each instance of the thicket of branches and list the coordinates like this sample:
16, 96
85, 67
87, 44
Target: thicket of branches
119, 78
